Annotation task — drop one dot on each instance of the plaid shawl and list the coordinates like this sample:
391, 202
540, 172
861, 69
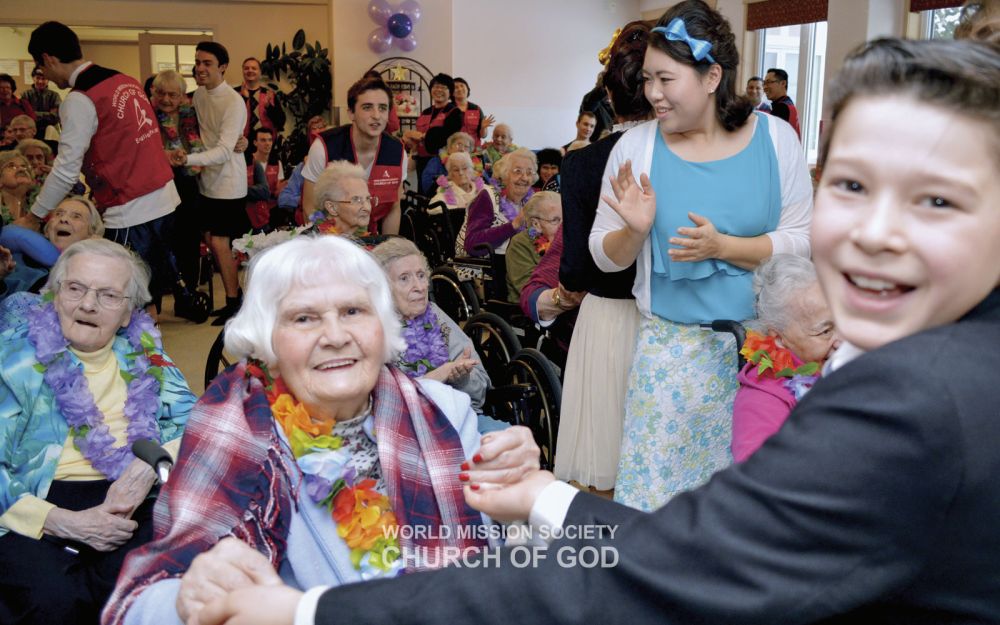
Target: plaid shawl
232, 479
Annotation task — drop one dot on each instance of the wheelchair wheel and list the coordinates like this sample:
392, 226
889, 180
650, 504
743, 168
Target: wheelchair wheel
495, 342
530, 366
218, 359
455, 297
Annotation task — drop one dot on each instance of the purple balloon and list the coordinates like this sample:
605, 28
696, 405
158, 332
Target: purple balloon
379, 11
399, 25
379, 40
407, 44
411, 8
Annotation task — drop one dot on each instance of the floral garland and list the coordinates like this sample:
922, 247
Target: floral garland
325, 224
426, 344
509, 208
449, 190
539, 240
187, 137
75, 401
778, 362
363, 515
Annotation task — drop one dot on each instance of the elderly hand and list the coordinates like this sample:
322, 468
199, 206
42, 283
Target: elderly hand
128, 491
103, 527
241, 145
634, 203
513, 502
7, 263
454, 370
178, 157
568, 300
700, 243
229, 565
259, 605
503, 458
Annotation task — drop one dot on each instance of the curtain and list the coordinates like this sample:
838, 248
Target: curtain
774, 13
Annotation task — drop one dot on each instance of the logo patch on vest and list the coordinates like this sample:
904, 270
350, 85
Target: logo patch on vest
141, 119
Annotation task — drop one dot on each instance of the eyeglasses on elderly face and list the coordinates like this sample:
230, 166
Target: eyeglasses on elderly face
107, 298
359, 201
555, 221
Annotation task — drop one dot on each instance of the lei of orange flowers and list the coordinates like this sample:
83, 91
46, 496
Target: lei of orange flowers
764, 352
364, 517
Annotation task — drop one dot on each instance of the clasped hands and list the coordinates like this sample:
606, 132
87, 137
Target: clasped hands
107, 526
237, 586
635, 203
454, 370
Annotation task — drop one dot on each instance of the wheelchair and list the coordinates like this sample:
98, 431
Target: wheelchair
217, 359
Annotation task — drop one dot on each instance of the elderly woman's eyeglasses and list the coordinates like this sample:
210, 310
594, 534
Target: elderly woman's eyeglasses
520, 171
107, 298
359, 201
16, 165
555, 221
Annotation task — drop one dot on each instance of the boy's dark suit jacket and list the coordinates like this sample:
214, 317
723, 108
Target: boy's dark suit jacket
877, 502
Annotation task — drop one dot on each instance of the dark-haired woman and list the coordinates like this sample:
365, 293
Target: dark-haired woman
474, 121
722, 189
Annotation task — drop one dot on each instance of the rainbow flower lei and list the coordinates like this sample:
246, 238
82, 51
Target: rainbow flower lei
778, 362
363, 515
75, 401
426, 344
539, 240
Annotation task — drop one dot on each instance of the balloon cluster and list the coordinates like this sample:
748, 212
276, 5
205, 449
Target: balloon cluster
395, 26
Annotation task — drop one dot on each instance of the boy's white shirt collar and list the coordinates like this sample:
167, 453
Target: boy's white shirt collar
844, 354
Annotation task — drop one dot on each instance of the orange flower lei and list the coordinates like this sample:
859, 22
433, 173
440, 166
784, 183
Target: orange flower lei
764, 352
364, 517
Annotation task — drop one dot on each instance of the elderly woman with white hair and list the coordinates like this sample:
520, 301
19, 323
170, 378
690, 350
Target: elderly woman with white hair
39, 156
783, 364
74, 219
436, 347
433, 175
82, 378
494, 217
461, 186
312, 459
343, 204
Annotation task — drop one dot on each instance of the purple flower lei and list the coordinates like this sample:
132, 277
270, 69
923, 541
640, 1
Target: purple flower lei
426, 344
75, 401
509, 209
449, 189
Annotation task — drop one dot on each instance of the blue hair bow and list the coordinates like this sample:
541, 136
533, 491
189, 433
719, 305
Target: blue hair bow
677, 31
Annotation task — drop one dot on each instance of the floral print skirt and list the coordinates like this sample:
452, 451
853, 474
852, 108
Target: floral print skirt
678, 412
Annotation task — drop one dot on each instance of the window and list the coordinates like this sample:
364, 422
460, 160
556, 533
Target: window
800, 50
940, 23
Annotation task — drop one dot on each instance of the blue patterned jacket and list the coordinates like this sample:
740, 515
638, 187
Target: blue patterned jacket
33, 432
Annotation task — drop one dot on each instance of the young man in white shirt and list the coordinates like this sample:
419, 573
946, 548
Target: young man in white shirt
222, 116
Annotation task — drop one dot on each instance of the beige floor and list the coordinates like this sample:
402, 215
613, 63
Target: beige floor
187, 343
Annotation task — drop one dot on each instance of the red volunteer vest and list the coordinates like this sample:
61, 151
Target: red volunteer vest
470, 123
431, 118
259, 211
125, 159
387, 173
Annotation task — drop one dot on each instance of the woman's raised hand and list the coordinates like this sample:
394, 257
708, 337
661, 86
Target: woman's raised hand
230, 565
635, 202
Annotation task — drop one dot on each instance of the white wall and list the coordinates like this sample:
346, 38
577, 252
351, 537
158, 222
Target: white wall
352, 57
530, 63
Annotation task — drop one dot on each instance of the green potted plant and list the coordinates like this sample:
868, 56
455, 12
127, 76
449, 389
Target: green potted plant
307, 68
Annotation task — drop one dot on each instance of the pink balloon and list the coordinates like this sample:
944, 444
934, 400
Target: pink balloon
412, 9
380, 11
408, 43
379, 40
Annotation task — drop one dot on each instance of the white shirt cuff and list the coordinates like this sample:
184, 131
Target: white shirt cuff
550, 508
305, 613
